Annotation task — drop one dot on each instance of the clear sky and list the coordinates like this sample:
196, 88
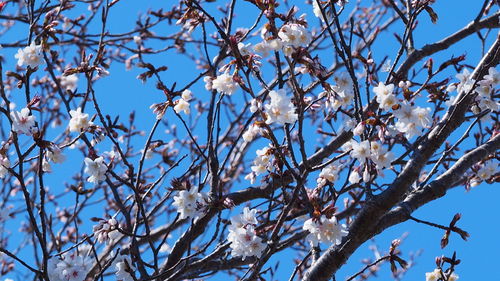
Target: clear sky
121, 93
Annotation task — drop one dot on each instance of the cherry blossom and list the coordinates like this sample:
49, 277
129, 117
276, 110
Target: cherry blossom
252, 131
96, 169
71, 266
488, 169
189, 204
30, 55
412, 119
69, 82
79, 121
182, 106
243, 237
281, 109
106, 231
4, 165
294, 34
124, 268
225, 84
438, 275
325, 230
23, 122
329, 173
360, 150
261, 162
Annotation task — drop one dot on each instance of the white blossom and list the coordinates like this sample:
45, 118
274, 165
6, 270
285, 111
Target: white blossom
385, 96
254, 105
343, 91
354, 177
53, 154
492, 78
247, 217
317, 10
381, 156
252, 131
23, 122
359, 129
187, 95
96, 169
4, 165
465, 82
488, 169
189, 203
69, 82
360, 150
329, 173
487, 103
124, 268
433, 276
208, 83
294, 34
182, 106
437, 275
412, 119
225, 84
71, 266
30, 55
244, 48
106, 231
325, 230
281, 109
79, 121
243, 237
262, 161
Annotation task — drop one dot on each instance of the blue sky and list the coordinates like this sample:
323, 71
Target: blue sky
121, 93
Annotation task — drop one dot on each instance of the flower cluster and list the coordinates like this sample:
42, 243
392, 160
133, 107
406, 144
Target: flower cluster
488, 169
23, 122
106, 231
124, 268
53, 154
260, 163
325, 230
294, 34
411, 119
4, 165
243, 237
252, 131
329, 173
290, 35
437, 274
365, 151
79, 121
71, 266
385, 97
183, 103
380, 155
96, 169
30, 55
484, 98
359, 150
343, 92
317, 8
225, 84
189, 204
281, 109
69, 82
267, 46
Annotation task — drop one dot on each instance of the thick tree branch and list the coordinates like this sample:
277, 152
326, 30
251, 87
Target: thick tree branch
429, 49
